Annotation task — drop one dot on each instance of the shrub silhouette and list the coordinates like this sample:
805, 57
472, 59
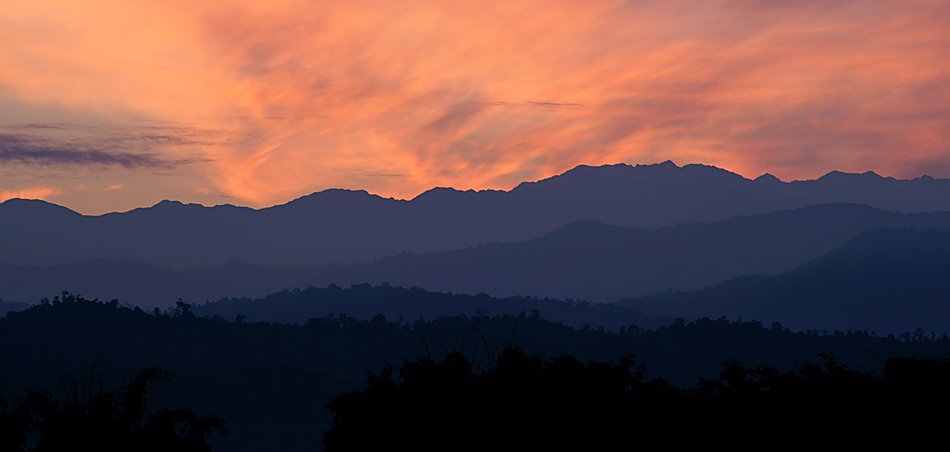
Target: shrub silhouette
95, 420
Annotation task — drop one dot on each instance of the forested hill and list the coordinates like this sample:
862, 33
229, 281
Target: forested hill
364, 301
270, 381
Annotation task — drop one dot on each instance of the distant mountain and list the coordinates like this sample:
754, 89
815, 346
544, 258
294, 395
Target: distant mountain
923, 194
602, 263
343, 226
583, 261
886, 280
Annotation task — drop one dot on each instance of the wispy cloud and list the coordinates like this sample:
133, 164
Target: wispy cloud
37, 126
17, 150
475, 93
555, 104
26, 150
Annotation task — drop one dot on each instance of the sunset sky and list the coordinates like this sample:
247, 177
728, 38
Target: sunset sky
108, 105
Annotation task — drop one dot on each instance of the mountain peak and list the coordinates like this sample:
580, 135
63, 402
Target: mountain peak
768, 179
24, 201
837, 175
598, 175
330, 196
165, 203
20, 206
662, 165
438, 193
178, 205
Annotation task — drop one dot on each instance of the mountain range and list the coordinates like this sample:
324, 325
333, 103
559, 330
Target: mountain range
670, 241
585, 260
343, 227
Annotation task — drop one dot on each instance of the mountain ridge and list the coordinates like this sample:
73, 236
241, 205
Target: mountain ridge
553, 180
341, 226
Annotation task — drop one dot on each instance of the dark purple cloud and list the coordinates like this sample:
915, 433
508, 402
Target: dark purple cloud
26, 150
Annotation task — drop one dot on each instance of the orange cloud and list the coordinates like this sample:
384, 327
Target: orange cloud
397, 97
44, 193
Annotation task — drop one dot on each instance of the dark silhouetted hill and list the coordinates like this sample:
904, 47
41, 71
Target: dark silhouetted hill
885, 280
344, 226
270, 381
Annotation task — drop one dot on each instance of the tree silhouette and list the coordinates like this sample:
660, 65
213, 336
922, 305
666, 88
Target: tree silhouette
91, 419
521, 402
563, 404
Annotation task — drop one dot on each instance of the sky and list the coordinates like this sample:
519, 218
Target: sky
111, 105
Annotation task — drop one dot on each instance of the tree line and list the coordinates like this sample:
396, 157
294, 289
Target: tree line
272, 381
523, 402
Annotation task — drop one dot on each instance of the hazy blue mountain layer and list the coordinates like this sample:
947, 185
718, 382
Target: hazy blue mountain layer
583, 261
601, 263
343, 226
885, 280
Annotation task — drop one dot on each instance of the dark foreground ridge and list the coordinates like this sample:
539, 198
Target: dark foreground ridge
271, 381
530, 403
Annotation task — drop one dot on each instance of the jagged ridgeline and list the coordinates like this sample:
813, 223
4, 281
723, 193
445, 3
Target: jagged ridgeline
270, 382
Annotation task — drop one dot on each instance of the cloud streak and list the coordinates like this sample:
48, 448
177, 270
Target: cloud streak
27, 151
476, 94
